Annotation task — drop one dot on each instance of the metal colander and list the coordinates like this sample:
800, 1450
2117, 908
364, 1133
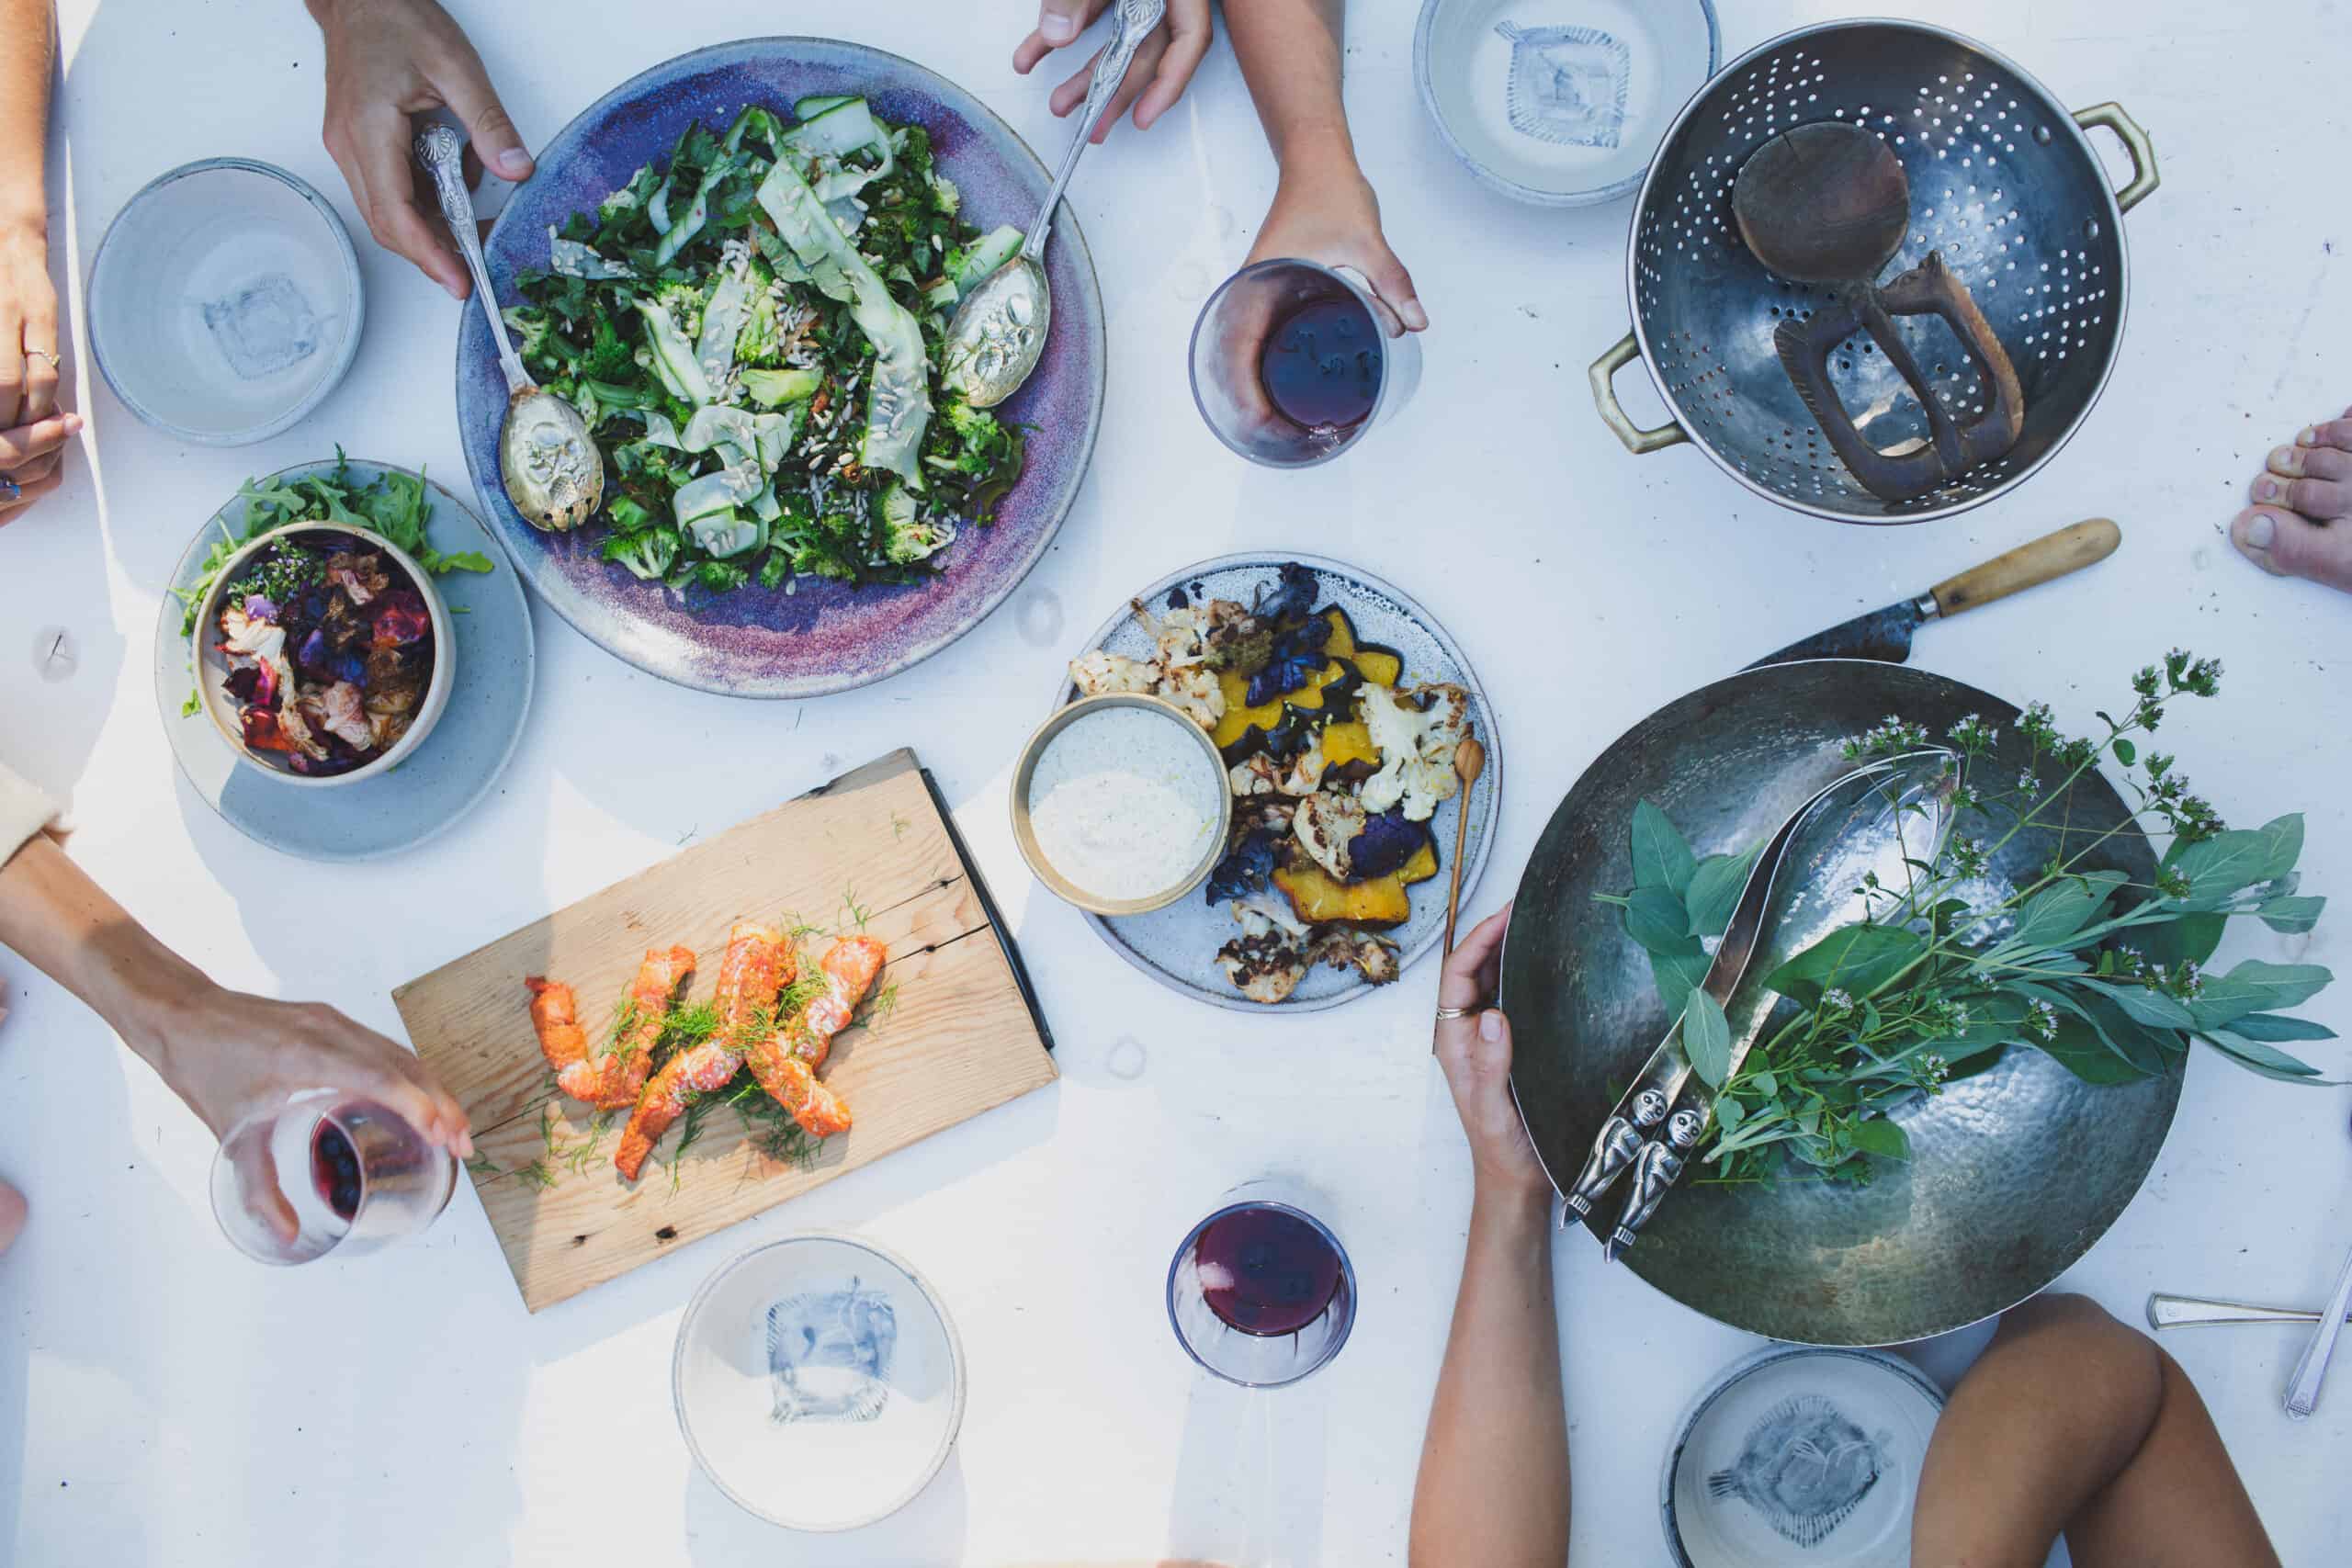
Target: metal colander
2004, 183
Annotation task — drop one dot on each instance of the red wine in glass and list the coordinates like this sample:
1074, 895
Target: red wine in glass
1320, 365
1266, 1271
335, 1169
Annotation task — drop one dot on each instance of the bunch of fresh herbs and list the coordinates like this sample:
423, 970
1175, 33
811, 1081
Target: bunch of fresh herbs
1930, 984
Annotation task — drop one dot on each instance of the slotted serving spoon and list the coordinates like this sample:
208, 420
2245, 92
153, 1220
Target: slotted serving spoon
553, 473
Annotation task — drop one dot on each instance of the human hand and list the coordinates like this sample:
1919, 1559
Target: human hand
1157, 76
33, 433
1325, 211
1475, 1054
388, 60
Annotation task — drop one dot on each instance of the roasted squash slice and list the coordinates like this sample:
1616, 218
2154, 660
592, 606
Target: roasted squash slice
1381, 666
1317, 898
1241, 718
1349, 742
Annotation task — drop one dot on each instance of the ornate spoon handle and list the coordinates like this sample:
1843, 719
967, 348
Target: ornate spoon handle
442, 153
2197, 1311
2302, 1389
1135, 20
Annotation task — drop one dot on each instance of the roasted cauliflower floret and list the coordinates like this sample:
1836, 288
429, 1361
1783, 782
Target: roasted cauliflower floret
1368, 955
1101, 672
1324, 825
1415, 740
1266, 962
1260, 774
1194, 689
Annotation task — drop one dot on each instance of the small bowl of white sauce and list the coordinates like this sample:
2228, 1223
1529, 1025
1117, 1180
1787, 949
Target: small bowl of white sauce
1120, 804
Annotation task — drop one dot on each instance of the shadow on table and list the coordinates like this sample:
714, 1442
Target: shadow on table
926, 1533
1249, 1473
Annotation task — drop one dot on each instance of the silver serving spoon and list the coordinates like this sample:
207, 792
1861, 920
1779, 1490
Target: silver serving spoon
554, 474
998, 329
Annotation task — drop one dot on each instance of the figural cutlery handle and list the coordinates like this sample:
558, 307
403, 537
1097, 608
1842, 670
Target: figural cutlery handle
1612, 1153
1655, 1168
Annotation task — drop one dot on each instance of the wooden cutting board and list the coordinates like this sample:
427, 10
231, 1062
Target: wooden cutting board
954, 1029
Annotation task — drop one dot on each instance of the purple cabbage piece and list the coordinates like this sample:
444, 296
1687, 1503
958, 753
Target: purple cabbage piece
1386, 843
1244, 870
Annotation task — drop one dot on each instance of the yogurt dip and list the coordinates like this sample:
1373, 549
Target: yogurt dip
1123, 803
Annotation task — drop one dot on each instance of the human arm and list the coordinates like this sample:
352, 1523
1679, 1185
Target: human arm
31, 429
388, 61
1493, 1488
1324, 208
1156, 77
220, 1050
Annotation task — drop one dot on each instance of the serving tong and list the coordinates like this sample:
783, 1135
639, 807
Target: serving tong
1829, 204
1660, 1120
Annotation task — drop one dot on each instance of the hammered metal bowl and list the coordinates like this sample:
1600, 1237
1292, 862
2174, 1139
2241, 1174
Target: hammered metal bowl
2004, 183
2015, 1172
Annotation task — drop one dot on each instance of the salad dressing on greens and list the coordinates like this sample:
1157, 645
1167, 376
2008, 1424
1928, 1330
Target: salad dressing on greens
753, 334
1123, 803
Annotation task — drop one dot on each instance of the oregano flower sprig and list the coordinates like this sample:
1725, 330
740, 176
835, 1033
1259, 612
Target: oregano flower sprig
1935, 980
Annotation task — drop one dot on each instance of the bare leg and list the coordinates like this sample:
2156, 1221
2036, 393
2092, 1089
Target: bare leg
12, 1216
2071, 1422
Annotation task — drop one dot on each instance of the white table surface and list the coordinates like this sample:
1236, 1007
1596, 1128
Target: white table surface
166, 1400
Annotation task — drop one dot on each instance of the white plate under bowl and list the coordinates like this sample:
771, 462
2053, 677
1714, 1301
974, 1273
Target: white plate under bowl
1799, 1458
1177, 945
819, 1382
1561, 102
225, 301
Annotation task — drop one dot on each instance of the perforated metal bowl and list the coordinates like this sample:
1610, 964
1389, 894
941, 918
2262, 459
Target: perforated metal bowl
2004, 183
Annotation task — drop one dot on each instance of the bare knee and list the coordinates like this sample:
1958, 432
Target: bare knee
2087, 1352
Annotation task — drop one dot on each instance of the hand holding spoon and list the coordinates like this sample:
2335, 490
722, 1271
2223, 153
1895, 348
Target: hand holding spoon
999, 330
554, 474
1469, 761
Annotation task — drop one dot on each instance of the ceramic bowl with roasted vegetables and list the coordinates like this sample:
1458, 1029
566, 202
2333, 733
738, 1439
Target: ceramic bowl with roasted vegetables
1336, 705
324, 653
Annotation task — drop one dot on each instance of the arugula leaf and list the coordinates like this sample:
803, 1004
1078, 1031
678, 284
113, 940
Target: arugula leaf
1706, 1037
1661, 857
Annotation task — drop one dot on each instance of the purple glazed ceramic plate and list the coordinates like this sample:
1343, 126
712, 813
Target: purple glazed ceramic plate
824, 637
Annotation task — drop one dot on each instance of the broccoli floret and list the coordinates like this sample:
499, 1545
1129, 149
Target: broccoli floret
647, 555
608, 356
684, 302
912, 540
536, 327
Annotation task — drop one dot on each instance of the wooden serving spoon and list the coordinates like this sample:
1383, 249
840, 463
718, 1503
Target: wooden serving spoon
1469, 761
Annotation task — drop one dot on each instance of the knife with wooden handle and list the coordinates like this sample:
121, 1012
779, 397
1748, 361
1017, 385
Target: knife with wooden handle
1885, 635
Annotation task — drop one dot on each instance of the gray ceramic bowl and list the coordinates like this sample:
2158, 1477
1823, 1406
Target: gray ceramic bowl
212, 666
1561, 104
225, 301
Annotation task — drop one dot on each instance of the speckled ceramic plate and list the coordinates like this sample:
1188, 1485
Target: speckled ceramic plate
825, 636
1799, 1459
441, 780
1177, 945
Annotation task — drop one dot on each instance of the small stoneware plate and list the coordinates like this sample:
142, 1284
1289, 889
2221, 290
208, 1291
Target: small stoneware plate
819, 1382
225, 301
1799, 1459
823, 636
1177, 945
1560, 103
450, 770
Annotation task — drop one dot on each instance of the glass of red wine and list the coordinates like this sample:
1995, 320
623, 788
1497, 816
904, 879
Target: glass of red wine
1292, 362
322, 1171
1261, 1292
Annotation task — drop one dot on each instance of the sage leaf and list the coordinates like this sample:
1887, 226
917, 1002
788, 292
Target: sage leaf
1881, 1139
2056, 913
2291, 915
2255, 987
2227, 863
1729, 1114
1655, 918
2125, 752
1715, 888
2285, 837
2191, 939
1706, 1037
2256, 1054
1661, 857
2080, 1050
1856, 959
1675, 973
2278, 1026
1764, 1083
2144, 1005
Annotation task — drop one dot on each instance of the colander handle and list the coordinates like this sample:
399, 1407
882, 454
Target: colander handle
2144, 178
1613, 412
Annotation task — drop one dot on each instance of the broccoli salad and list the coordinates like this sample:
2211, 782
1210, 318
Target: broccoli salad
753, 332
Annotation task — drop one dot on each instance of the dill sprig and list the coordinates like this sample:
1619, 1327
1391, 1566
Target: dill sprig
853, 912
